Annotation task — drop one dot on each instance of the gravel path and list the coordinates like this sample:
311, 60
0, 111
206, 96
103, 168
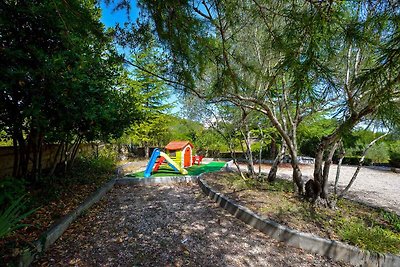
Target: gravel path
168, 225
377, 188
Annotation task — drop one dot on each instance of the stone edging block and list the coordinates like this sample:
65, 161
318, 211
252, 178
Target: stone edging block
333, 249
58, 228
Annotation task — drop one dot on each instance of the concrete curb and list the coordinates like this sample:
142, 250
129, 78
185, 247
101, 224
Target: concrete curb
335, 250
58, 228
157, 180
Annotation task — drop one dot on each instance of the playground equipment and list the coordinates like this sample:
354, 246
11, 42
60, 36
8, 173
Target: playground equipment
178, 157
197, 159
181, 152
157, 158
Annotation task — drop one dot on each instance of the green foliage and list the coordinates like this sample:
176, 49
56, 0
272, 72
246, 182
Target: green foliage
60, 76
355, 142
281, 186
378, 153
88, 169
393, 219
154, 96
373, 238
311, 131
4, 139
395, 154
354, 160
11, 189
10, 218
209, 142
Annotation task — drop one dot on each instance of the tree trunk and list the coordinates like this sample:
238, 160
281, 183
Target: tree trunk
16, 156
248, 152
260, 159
146, 150
40, 154
23, 156
297, 175
75, 151
55, 161
277, 161
273, 150
319, 159
341, 156
325, 174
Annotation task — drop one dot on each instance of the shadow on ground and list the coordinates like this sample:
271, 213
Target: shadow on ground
168, 225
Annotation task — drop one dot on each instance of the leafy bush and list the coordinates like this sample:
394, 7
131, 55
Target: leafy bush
394, 159
11, 217
10, 190
378, 153
86, 169
354, 160
394, 154
372, 238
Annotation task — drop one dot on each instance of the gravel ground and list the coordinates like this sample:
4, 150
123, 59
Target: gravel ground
374, 187
168, 225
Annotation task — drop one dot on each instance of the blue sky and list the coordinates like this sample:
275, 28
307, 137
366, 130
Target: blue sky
110, 18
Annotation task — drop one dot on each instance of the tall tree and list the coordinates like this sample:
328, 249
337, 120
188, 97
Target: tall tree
58, 78
154, 94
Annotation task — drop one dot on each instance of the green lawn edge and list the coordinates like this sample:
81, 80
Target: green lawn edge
194, 170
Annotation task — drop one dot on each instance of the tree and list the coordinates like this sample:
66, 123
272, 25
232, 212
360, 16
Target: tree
286, 60
59, 74
245, 56
154, 94
368, 81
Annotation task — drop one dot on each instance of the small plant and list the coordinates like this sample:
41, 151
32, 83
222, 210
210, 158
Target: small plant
281, 186
10, 219
393, 219
372, 238
10, 190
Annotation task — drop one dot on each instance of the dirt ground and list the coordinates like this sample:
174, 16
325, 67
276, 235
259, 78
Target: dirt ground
375, 187
168, 225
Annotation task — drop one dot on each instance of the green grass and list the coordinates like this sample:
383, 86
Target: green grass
373, 238
165, 170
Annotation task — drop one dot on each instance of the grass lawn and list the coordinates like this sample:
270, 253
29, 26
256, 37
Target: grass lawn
165, 170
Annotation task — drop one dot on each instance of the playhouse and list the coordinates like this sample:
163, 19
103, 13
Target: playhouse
180, 152
178, 156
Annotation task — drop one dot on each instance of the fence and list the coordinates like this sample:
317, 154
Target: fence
48, 153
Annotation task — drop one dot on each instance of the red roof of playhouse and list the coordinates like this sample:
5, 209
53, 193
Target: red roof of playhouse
177, 145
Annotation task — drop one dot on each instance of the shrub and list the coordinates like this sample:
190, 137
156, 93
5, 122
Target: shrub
354, 160
88, 169
379, 153
10, 190
394, 154
395, 159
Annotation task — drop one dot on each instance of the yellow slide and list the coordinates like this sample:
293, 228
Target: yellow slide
173, 164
